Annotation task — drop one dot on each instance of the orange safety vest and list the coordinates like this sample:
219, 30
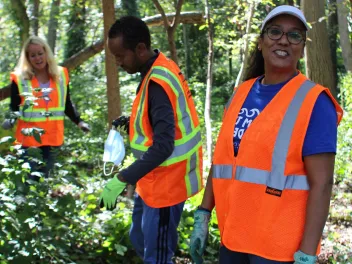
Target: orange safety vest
261, 194
47, 113
180, 176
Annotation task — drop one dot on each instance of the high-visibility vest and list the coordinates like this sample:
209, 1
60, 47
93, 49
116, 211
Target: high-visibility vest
180, 176
47, 113
261, 194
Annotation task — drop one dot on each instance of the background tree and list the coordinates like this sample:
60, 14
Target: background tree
332, 31
318, 55
35, 16
346, 46
170, 27
53, 23
113, 94
207, 106
76, 32
20, 16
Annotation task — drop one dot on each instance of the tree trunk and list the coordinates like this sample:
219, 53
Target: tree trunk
130, 6
342, 11
35, 20
318, 56
332, 29
290, 2
170, 28
245, 59
21, 19
76, 34
207, 107
113, 93
53, 22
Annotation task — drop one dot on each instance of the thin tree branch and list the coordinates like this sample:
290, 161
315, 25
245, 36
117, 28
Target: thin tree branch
176, 20
162, 13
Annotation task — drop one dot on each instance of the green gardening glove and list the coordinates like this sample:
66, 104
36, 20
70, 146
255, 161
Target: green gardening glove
303, 258
111, 191
199, 235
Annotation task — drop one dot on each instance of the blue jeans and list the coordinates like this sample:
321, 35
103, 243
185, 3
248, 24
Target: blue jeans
153, 232
231, 257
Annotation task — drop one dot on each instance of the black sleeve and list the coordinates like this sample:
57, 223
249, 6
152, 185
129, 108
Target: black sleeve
15, 98
161, 117
70, 109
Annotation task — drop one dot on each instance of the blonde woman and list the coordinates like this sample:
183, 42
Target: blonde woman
40, 93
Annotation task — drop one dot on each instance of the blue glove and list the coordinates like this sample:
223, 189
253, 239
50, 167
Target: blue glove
303, 258
8, 124
199, 235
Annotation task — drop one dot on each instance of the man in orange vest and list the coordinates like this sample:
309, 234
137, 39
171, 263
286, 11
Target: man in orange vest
273, 164
165, 138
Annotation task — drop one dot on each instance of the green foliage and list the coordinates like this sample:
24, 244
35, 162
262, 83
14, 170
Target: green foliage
58, 220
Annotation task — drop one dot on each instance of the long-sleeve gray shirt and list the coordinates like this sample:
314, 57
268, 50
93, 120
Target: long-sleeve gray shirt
161, 117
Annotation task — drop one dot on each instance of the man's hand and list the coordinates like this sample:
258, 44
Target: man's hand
84, 126
303, 258
122, 122
111, 191
199, 235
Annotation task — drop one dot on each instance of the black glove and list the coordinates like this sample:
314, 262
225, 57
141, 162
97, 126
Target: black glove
122, 122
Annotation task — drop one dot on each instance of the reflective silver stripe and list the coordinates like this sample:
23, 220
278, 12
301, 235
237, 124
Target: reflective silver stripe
193, 177
230, 100
137, 153
276, 178
26, 87
179, 150
222, 171
296, 182
185, 147
181, 99
41, 114
139, 130
62, 86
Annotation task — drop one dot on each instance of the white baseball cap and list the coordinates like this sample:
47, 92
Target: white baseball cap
285, 9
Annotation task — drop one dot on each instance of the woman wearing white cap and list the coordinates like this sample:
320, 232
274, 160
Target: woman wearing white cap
273, 163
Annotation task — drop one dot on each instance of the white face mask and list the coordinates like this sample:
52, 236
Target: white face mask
114, 149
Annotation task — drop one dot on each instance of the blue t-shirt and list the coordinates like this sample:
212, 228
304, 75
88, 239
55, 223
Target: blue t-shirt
321, 136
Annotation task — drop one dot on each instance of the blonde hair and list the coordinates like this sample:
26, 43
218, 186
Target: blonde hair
25, 68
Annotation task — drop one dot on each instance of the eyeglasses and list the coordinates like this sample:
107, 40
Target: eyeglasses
294, 37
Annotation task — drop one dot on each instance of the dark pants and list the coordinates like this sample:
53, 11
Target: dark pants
41, 159
154, 231
231, 257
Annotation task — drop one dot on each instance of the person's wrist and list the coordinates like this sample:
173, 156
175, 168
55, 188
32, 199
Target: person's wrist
121, 178
203, 209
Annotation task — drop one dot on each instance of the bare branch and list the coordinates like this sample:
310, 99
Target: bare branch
83, 55
192, 17
162, 13
177, 16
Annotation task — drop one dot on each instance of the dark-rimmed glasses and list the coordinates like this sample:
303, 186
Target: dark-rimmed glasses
294, 37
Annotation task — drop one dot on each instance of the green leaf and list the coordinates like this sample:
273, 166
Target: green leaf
36, 136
